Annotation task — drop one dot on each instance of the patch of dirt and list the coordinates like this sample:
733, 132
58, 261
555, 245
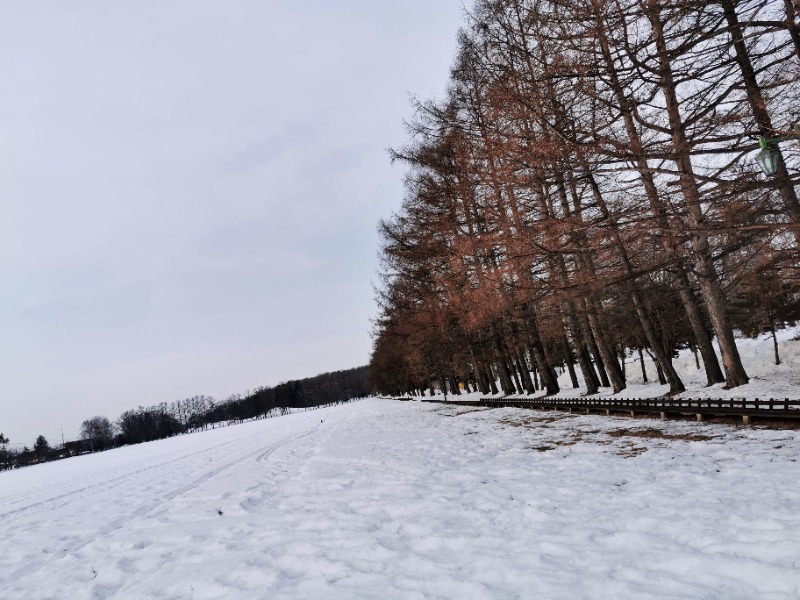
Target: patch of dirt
555, 444
448, 412
630, 450
631, 453
580, 436
529, 423
658, 435
466, 412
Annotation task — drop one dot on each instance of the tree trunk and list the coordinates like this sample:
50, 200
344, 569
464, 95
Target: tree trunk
454, 386
609, 360
629, 112
477, 372
704, 266
644, 370
589, 375
584, 361
491, 381
759, 107
570, 364
514, 368
662, 358
591, 346
538, 354
792, 16
505, 375
774, 339
524, 372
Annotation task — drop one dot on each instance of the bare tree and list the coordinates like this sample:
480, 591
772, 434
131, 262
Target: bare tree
98, 431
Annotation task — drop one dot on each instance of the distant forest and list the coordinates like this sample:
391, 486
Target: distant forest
145, 424
601, 180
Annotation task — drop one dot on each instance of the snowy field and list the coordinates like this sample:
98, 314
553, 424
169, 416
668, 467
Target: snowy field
385, 499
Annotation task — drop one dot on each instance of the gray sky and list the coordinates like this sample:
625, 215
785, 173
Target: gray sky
189, 192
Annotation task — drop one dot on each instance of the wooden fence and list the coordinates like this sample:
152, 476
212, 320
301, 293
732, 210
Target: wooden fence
746, 408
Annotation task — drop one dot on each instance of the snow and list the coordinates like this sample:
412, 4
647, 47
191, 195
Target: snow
387, 499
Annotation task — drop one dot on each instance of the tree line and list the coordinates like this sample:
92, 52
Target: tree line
145, 424
587, 190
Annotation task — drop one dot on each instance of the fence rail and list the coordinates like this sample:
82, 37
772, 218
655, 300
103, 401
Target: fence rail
769, 408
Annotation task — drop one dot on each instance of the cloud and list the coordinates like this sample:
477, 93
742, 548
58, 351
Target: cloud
189, 192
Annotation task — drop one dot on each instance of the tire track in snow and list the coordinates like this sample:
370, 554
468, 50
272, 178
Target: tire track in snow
260, 455
107, 484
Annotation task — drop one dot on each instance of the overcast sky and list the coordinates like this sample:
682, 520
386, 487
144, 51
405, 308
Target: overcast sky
189, 192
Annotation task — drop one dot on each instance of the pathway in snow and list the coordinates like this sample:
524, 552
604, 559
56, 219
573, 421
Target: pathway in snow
383, 499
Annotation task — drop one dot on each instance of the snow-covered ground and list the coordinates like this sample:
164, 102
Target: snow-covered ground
385, 499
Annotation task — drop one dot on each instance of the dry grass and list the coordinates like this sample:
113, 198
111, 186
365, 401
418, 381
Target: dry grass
657, 434
472, 410
529, 423
446, 412
630, 450
622, 442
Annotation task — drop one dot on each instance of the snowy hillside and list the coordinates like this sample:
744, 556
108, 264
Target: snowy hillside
384, 499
